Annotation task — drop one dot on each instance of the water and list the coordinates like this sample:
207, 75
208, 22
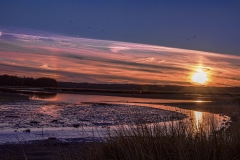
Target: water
73, 98
54, 116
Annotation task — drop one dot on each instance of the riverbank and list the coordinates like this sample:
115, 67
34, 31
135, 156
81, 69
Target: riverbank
186, 94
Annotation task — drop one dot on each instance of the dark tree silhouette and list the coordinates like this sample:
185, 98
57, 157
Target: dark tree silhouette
45, 82
27, 81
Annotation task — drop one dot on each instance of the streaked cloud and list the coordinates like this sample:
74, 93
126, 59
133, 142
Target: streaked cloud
44, 66
145, 59
116, 49
88, 60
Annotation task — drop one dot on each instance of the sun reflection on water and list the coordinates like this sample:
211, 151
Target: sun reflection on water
198, 118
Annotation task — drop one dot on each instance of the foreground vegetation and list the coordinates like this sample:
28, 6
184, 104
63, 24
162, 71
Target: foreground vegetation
183, 141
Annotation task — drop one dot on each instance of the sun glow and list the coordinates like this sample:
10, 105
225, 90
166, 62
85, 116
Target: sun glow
199, 76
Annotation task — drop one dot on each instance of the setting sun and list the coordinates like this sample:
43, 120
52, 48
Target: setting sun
199, 76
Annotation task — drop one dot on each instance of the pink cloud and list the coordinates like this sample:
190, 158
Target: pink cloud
88, 60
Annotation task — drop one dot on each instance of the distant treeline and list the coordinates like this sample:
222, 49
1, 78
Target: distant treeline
149, 87
27, 81
119, 86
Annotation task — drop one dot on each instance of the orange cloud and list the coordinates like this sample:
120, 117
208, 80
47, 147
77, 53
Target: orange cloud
88, 60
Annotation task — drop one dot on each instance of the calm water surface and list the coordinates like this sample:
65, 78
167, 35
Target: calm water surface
75, 98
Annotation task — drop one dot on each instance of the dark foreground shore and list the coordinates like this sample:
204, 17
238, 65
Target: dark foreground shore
56, 150
49, 150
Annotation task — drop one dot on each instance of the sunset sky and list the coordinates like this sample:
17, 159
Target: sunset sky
157, 42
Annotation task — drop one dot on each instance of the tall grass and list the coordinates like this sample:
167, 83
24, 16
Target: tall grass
172, 141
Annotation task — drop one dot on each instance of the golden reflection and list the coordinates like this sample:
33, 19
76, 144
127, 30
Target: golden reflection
200, 76
198, 118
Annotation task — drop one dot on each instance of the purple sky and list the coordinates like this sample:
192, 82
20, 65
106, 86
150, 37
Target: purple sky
206, 25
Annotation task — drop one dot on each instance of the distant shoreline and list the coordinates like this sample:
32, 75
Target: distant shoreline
182, 95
